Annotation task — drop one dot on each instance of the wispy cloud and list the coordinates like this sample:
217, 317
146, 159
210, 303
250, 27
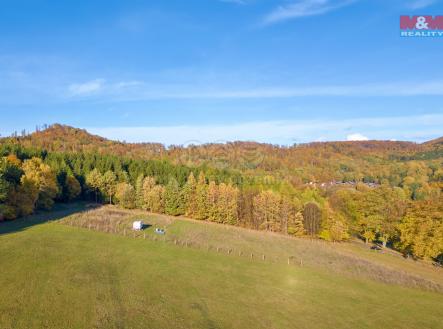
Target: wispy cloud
139, 90
302, 8
416, 128
238, 2
86, 88
419, 4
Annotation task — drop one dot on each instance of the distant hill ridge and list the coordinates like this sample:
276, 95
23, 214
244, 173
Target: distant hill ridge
64, 133
317, 161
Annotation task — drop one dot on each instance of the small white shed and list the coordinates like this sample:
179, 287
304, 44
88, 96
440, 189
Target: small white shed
137, 225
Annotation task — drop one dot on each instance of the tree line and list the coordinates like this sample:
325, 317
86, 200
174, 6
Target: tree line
32, 179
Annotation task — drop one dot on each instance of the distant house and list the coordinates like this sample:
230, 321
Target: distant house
137, 225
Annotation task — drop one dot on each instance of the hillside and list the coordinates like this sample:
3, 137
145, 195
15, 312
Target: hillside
299, 164
353, 259
62, 138
384, 192
435, 142
115, 281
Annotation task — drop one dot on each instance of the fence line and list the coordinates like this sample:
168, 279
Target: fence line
118, 229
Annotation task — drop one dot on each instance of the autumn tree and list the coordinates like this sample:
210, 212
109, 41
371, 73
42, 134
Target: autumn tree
334, 226
246, 208
73, 188
190, 196
24, 198
312, 216
155, 199
109, 182
94, 180
125, 195
379, 210
212, 200
421, 229
228, 204
147, 186
44, 178
295, 224
291, 217
10, 174
201, 197
267, 210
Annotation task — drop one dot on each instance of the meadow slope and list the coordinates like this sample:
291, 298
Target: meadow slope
58, 276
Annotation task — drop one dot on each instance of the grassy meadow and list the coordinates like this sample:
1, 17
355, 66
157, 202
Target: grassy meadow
55, 274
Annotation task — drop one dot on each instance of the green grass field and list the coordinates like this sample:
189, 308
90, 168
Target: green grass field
58, 276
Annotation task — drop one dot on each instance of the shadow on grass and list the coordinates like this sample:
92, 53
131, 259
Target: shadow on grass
59, 211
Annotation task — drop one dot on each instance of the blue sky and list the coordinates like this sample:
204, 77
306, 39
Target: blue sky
176, 72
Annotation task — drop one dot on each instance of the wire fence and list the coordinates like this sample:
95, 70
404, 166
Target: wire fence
121, 227
326, 255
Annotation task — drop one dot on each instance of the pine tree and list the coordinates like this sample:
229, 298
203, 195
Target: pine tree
73, 188
231, 207
295, 224
148, 185
212, 201
189, 196
201, 197
291, 218
139, 191
173, 198
156, 199
267, 210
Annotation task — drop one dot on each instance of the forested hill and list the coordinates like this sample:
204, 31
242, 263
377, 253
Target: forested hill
390, 192
368, 161
62, 138
435, 142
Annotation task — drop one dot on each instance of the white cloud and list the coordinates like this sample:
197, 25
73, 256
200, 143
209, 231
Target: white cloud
356, 137
302, 8
415, 128
86, 88
419, 4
